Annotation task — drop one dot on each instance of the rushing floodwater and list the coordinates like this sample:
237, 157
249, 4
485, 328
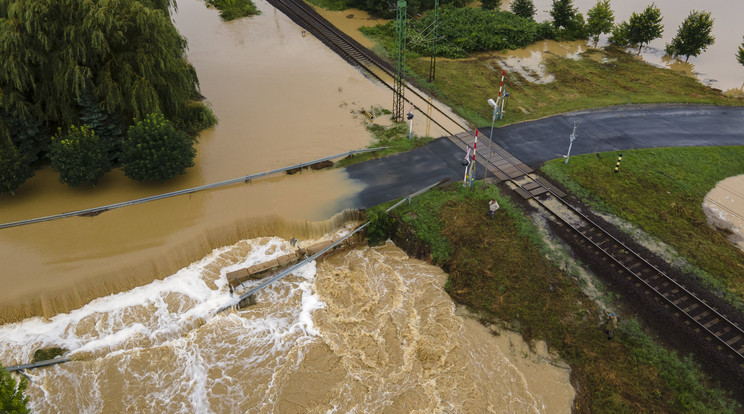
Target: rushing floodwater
367, 330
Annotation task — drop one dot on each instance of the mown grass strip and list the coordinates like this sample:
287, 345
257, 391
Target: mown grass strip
661, 191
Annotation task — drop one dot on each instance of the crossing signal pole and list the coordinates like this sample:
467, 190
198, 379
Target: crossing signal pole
400, 62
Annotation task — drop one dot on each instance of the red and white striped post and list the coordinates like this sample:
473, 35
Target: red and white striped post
472, 163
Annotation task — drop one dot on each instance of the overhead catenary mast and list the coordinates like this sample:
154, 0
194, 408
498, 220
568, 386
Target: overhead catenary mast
400, 62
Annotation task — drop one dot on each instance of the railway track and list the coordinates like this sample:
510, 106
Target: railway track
704, 320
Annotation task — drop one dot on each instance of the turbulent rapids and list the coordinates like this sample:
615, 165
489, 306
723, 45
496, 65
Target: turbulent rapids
132, 294
367, 330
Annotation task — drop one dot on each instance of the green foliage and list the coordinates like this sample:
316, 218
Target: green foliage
386, 9
394, 136
234, 9
600, 19
78, 156
562, 12
14, 170
154, 150
568, 23
30, 136
523, 8
12, 400
125, 56
467, 30
620, 35
45, 354
740, 54
335, 5
490, 4
380, 226
109, 128
645, 27
693, 36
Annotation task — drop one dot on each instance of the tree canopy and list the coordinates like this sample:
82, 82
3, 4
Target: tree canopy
386, 8
12, 400
123, 57
600, 19
490, 4
523, 8
154, 150
645, 27
562, 12
78, 156
693, 36
740, 54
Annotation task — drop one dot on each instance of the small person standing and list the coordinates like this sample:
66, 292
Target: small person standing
611, 326
492, 207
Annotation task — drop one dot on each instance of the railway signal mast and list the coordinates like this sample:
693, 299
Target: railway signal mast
400, 62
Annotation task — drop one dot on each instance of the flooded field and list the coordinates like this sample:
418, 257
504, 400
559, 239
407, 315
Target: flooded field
716, 67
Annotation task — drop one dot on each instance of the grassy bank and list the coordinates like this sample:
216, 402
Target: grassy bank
661, 191
600, 78
234, 9
501, 269
394, 136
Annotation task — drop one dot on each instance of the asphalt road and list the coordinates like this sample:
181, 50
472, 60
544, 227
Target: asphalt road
534, 142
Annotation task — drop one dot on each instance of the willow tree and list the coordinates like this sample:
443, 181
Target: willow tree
123, 55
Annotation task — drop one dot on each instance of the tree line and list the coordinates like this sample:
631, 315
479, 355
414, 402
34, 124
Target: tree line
89, 85
462, 30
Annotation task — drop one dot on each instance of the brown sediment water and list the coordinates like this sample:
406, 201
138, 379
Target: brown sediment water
368, 330
716, 67
281, 99
724, 206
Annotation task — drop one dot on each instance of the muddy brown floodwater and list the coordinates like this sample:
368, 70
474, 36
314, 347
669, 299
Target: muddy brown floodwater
367, 330
281, 99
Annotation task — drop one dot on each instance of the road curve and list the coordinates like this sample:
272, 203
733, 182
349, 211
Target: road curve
534, 142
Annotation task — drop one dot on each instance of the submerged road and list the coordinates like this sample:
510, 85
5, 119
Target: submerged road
534, 142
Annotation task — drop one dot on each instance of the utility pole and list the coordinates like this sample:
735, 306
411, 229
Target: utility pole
400, 62
433, 60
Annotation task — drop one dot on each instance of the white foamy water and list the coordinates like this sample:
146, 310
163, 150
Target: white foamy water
368, 330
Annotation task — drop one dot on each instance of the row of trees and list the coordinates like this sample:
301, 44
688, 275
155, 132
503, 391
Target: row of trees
153, 149
98, 64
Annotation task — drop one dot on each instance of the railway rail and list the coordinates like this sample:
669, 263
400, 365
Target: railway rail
703, 319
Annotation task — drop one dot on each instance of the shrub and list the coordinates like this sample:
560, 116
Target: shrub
78, 156
14, 171
12, 399
155, 150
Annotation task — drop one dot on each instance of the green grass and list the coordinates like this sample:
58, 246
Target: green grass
579, 84
334, 5
601, 77
500, 268
234, 9
394, 136
661, 191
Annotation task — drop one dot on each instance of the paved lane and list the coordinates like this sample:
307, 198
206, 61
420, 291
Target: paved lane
534, 142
